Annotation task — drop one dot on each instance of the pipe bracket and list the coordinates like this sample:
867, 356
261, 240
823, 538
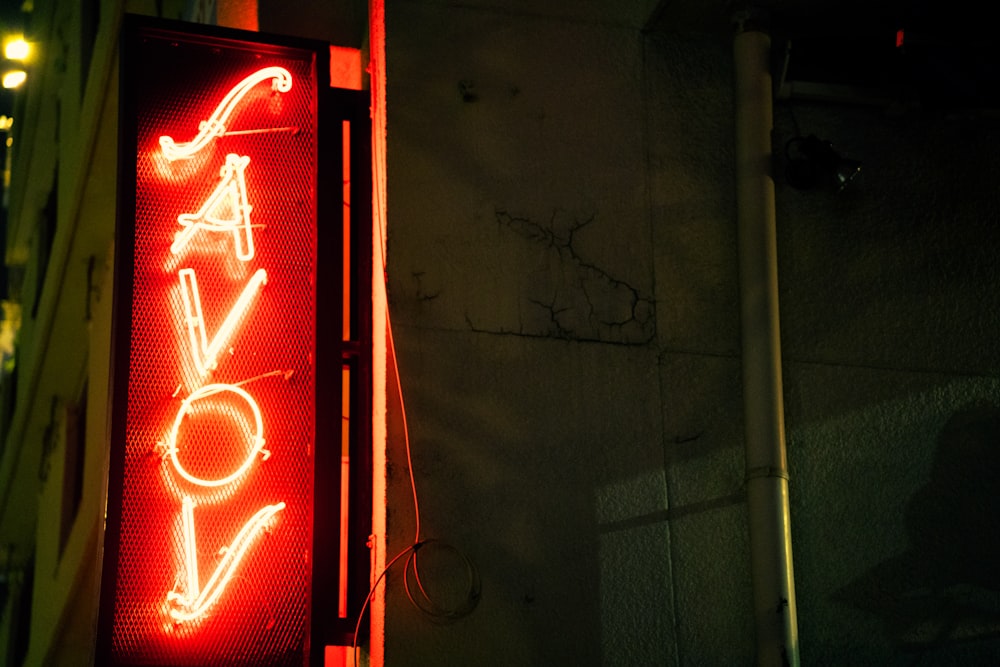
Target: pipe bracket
766, 471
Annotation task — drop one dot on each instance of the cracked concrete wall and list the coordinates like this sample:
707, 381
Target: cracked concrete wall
563, 287
521, 289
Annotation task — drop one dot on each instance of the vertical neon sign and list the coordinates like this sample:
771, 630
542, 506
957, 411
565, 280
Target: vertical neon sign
211, 549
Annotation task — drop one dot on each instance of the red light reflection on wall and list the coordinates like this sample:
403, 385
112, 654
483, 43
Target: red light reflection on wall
215, 535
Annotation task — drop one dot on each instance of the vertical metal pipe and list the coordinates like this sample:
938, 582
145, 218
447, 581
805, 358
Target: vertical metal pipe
766, 465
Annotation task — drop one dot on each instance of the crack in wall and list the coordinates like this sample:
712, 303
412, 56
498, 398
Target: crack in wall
421, 294
571, 297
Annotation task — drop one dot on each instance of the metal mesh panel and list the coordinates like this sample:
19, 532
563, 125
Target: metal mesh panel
198, 481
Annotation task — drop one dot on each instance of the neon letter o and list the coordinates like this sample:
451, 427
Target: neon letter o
258, 437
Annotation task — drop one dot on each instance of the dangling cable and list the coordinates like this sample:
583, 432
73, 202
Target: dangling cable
406, 428
423, 603
420, 599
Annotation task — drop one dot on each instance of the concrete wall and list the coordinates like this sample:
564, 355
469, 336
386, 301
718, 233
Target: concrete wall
563, 289
522, 286
563, 286
889, 311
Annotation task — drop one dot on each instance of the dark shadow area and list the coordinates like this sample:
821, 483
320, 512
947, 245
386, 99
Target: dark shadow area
945, 589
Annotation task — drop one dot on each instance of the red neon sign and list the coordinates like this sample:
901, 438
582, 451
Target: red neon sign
212, 561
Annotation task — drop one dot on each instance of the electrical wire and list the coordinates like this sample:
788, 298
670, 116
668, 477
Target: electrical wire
402, 412
371, 593
424, 602
418, 595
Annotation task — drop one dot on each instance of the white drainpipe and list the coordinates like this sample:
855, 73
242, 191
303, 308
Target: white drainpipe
766, 464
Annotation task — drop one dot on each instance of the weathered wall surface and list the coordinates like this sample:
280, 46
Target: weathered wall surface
521, 289
890, 310
691, 145
563, 286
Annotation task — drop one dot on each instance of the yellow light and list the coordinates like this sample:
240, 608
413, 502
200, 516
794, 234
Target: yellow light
16, 49
14, 78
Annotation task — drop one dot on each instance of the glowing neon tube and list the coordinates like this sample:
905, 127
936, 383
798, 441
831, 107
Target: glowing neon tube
215, 125
204, 353
195, 601
190, 544
226, 210
258, 436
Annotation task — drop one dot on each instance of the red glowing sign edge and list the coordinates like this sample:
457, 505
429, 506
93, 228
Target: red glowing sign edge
347, 105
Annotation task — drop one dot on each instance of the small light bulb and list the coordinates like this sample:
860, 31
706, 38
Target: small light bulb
14, 78
16, 49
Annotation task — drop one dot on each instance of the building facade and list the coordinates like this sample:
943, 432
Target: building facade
564, 386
